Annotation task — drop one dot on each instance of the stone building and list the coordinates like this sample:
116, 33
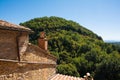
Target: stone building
21, 60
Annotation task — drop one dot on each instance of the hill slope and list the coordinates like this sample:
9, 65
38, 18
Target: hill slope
78, 49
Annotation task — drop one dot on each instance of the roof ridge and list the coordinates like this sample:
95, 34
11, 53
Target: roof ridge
11, 26
44, 51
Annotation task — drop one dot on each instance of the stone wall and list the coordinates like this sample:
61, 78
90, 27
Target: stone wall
8, 43
25, 71
35, 63
23, 42
35, 54
8, 47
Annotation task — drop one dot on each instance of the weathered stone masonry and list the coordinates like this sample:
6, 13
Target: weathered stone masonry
8, 47
25, 71
21, 60
35, 54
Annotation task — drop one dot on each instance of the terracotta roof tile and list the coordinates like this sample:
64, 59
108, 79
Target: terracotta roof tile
10, 26
65, 77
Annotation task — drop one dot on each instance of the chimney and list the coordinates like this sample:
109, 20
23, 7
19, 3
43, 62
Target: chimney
42, 41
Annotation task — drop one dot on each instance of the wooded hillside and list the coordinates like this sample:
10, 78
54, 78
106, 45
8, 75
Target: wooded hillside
78, 49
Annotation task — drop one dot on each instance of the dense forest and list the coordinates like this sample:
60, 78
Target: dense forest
78, 49
115, 43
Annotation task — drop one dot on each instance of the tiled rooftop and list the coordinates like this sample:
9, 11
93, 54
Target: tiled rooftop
64, 77
10, 26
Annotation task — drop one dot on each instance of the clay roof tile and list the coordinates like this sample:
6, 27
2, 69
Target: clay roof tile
65, 77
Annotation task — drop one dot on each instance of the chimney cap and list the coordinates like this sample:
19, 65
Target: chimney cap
42, 34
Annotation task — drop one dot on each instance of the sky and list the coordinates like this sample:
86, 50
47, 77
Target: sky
100, 16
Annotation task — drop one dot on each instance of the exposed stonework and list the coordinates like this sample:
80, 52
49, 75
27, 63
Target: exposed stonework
8, 46
20, 60
23, 42
25, 71
36, 54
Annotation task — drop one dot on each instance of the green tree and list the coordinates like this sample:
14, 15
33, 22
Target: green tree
77, 47
67, 69
109, 68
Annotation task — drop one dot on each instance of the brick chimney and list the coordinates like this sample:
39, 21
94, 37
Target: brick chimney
42, 41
